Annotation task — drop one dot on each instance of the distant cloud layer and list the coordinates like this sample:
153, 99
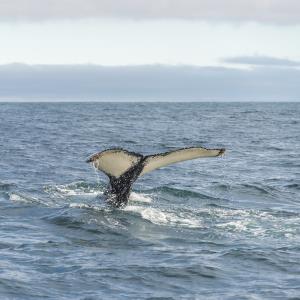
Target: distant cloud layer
144, 83
258, 60
275, 11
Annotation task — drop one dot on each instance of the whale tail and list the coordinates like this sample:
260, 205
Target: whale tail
124, 167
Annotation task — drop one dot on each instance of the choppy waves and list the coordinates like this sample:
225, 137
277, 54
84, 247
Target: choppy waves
189, 209
83, 220
214, 228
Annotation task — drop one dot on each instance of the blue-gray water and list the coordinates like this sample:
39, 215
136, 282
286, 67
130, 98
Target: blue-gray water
217, 228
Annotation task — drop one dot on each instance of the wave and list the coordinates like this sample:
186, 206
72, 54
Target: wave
254, 189
217, 221
164, 206
6, 186
259, 188
83, 189
19, 197
140, 197
179, 193
80, 188
86, 206
159, 217
295, 186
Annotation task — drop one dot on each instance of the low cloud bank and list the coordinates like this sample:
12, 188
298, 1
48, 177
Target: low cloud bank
22, 82
259, 60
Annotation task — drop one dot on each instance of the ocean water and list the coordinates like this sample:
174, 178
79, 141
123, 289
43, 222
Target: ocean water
215, 228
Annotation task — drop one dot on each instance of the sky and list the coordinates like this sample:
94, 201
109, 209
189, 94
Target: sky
181, 50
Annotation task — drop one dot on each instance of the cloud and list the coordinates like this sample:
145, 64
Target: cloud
259, 60
145, 83
278, 11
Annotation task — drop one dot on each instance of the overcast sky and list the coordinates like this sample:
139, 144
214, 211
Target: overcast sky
218, 45
276, 11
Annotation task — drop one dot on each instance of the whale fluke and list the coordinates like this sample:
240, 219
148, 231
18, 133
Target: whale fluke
124, 167
156, 161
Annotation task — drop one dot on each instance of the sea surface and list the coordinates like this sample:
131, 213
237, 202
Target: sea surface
214, 228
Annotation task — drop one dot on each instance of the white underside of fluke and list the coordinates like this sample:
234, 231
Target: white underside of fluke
157, 161
116, 162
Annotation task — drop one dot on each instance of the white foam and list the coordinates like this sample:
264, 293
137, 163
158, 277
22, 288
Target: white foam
78, 192
79, 205
86, 206
231, 213
238, 225
154, 215
140, 197
69, 190
24, 199
159, 217
17, 198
